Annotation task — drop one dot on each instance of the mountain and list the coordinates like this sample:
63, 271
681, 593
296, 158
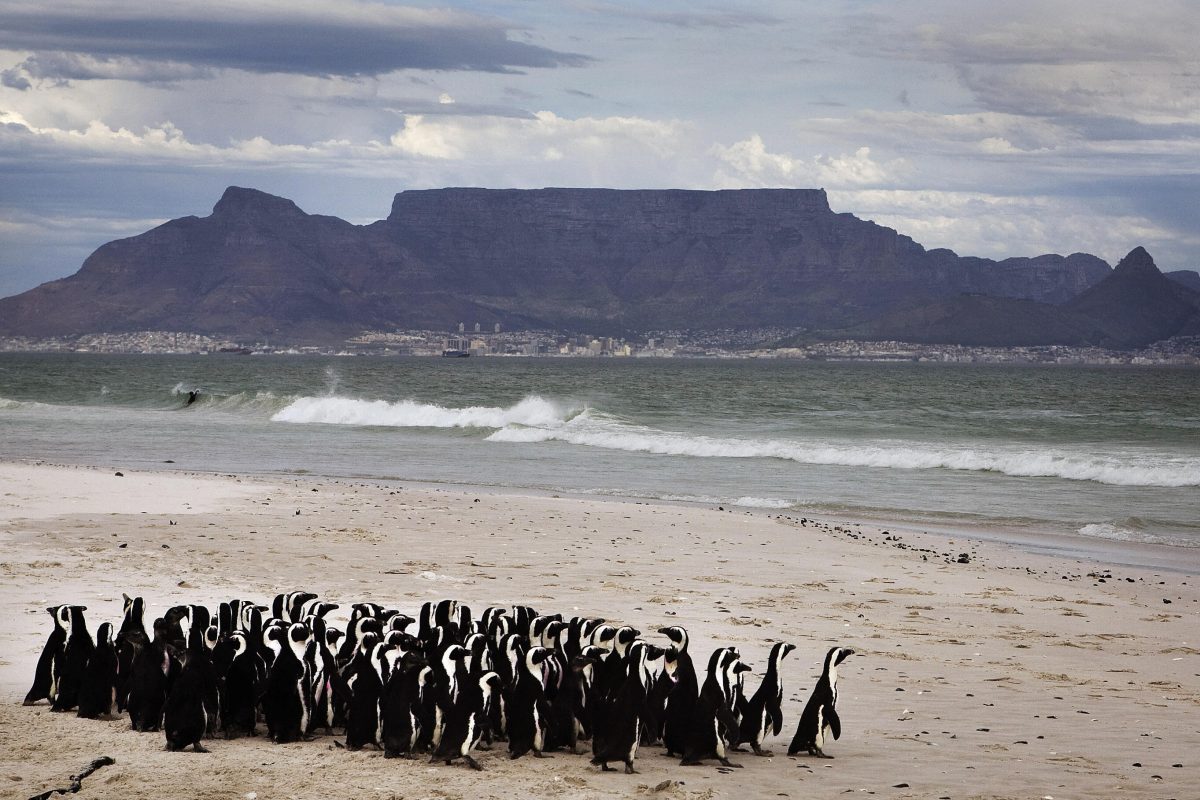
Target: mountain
595, 260
1137, 304
1186, 277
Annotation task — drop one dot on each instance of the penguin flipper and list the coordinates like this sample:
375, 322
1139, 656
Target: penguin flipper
776, 721
835, 724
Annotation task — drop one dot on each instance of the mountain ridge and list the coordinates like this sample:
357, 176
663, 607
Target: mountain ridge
598, 260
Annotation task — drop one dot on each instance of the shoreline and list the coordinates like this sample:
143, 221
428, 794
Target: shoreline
1012, 674
1182, 559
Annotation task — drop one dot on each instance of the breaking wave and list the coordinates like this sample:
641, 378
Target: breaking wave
532, 411
1131, 530
594, 429
741, 502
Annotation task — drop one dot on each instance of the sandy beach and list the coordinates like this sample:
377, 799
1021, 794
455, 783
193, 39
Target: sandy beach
1016, 674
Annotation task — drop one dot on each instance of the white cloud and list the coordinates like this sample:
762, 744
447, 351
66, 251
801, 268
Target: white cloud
546, 136
998, 226
748, 163
495, 141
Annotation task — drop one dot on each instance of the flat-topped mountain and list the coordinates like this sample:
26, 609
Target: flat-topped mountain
596, 260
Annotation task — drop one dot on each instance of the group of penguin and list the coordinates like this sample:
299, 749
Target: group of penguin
443, 683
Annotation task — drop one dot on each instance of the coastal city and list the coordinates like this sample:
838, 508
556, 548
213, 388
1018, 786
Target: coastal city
762, 343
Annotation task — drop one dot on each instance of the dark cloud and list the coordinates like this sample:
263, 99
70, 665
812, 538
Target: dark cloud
15, 78
319, 37
60, 68
580, 93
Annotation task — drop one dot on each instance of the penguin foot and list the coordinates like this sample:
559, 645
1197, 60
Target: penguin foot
816, 751
629, 770
540, 754
725, 762
199, 748
604, 767
473, 764
758, 751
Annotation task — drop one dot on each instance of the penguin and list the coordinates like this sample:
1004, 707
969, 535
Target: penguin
192, 697
316, 608
583, 668
523, 617
359, 626
712, 721
44, 682
764, 711
241, 681
656, 701
820, 712
467, 720
98, 691
507, 664
77, 651
288, 606
681, 700
364, 720
624, 732
611, 674
450, 674
328, 689
152, 673
408, 674
286, 701
488, 620
528, 709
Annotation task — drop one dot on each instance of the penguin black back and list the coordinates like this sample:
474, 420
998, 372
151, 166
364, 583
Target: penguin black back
98, 692
44, 683
820, 714
75, 656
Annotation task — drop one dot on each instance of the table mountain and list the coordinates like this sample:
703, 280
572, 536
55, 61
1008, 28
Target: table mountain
595, 260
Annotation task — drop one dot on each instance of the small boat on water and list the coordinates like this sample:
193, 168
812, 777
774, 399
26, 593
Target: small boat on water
455, 353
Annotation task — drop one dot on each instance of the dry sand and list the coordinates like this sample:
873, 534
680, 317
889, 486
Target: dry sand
1014, 675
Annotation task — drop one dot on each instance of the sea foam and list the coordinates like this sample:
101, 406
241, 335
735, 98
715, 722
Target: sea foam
532, 411
594, 429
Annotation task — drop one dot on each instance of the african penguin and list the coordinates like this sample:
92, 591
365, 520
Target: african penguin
764, 710
77, 651
467, 720
528, 710
624, 733
820, 713
98, 691
44, 681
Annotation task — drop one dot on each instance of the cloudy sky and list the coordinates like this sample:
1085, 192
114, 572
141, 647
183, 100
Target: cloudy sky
995, 129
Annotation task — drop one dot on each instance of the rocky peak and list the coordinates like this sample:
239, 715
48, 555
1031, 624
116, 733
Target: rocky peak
1137, 263
241, 203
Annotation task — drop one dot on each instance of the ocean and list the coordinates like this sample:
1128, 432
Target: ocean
1107, 453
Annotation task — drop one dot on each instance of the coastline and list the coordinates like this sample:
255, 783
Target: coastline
962, 668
